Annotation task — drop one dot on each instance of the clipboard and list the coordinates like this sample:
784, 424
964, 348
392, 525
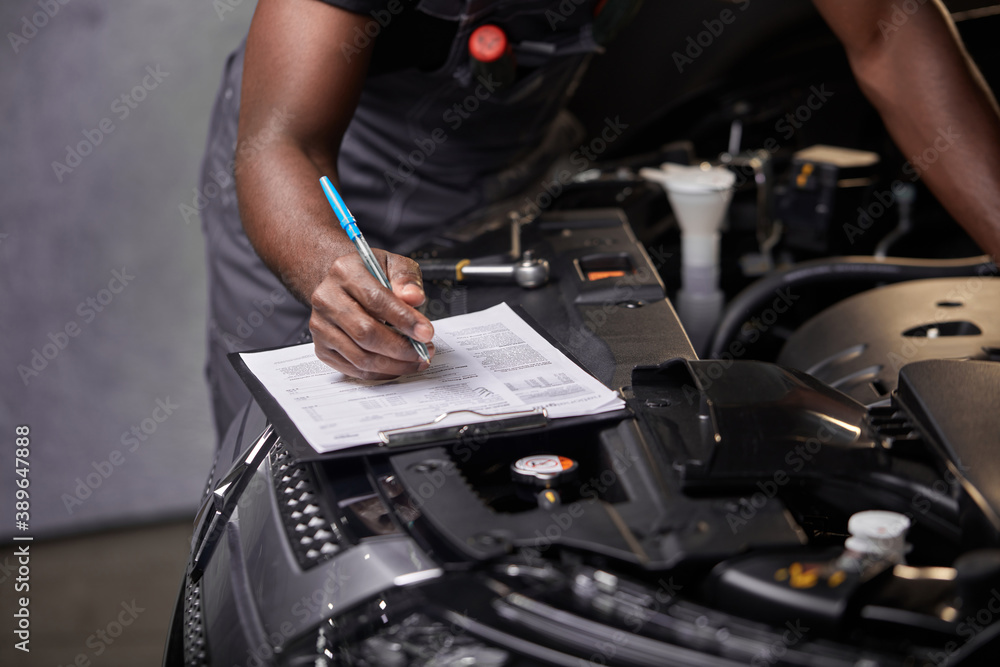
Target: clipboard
422, 434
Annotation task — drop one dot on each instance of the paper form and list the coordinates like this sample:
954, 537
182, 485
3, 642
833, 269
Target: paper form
491, 362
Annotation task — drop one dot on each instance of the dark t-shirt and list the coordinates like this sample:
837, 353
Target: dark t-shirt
405, 37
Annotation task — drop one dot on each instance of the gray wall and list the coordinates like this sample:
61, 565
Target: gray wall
64, 234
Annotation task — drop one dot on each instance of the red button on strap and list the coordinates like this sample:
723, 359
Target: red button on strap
488, 43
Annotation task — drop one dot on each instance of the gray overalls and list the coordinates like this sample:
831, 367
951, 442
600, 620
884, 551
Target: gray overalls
398, 176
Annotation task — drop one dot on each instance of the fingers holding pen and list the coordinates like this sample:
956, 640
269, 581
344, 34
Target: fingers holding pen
365, 297
338, 349
348, 323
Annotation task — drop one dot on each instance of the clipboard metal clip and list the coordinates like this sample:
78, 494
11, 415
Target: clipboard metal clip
482, 425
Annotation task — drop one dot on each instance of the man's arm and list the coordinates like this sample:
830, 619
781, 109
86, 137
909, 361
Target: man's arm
925, 87
294, 66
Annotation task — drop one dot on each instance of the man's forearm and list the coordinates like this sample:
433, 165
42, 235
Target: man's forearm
287, 218
940, 113
294, 60
294, 64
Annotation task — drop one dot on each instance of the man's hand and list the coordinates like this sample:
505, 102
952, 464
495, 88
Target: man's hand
351, 311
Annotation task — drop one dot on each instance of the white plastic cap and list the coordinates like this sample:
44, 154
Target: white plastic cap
691, 179
698, 195
878, 533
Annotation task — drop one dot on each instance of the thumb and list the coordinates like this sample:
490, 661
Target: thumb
404, 276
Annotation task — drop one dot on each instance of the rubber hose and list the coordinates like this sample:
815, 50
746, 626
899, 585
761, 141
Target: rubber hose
837, 269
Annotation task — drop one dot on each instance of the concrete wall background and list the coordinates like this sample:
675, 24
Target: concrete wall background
64, 234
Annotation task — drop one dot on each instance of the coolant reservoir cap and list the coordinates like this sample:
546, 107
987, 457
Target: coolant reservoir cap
878, 533
544, 469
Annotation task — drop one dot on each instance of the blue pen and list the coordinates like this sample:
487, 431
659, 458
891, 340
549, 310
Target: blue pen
350, 225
